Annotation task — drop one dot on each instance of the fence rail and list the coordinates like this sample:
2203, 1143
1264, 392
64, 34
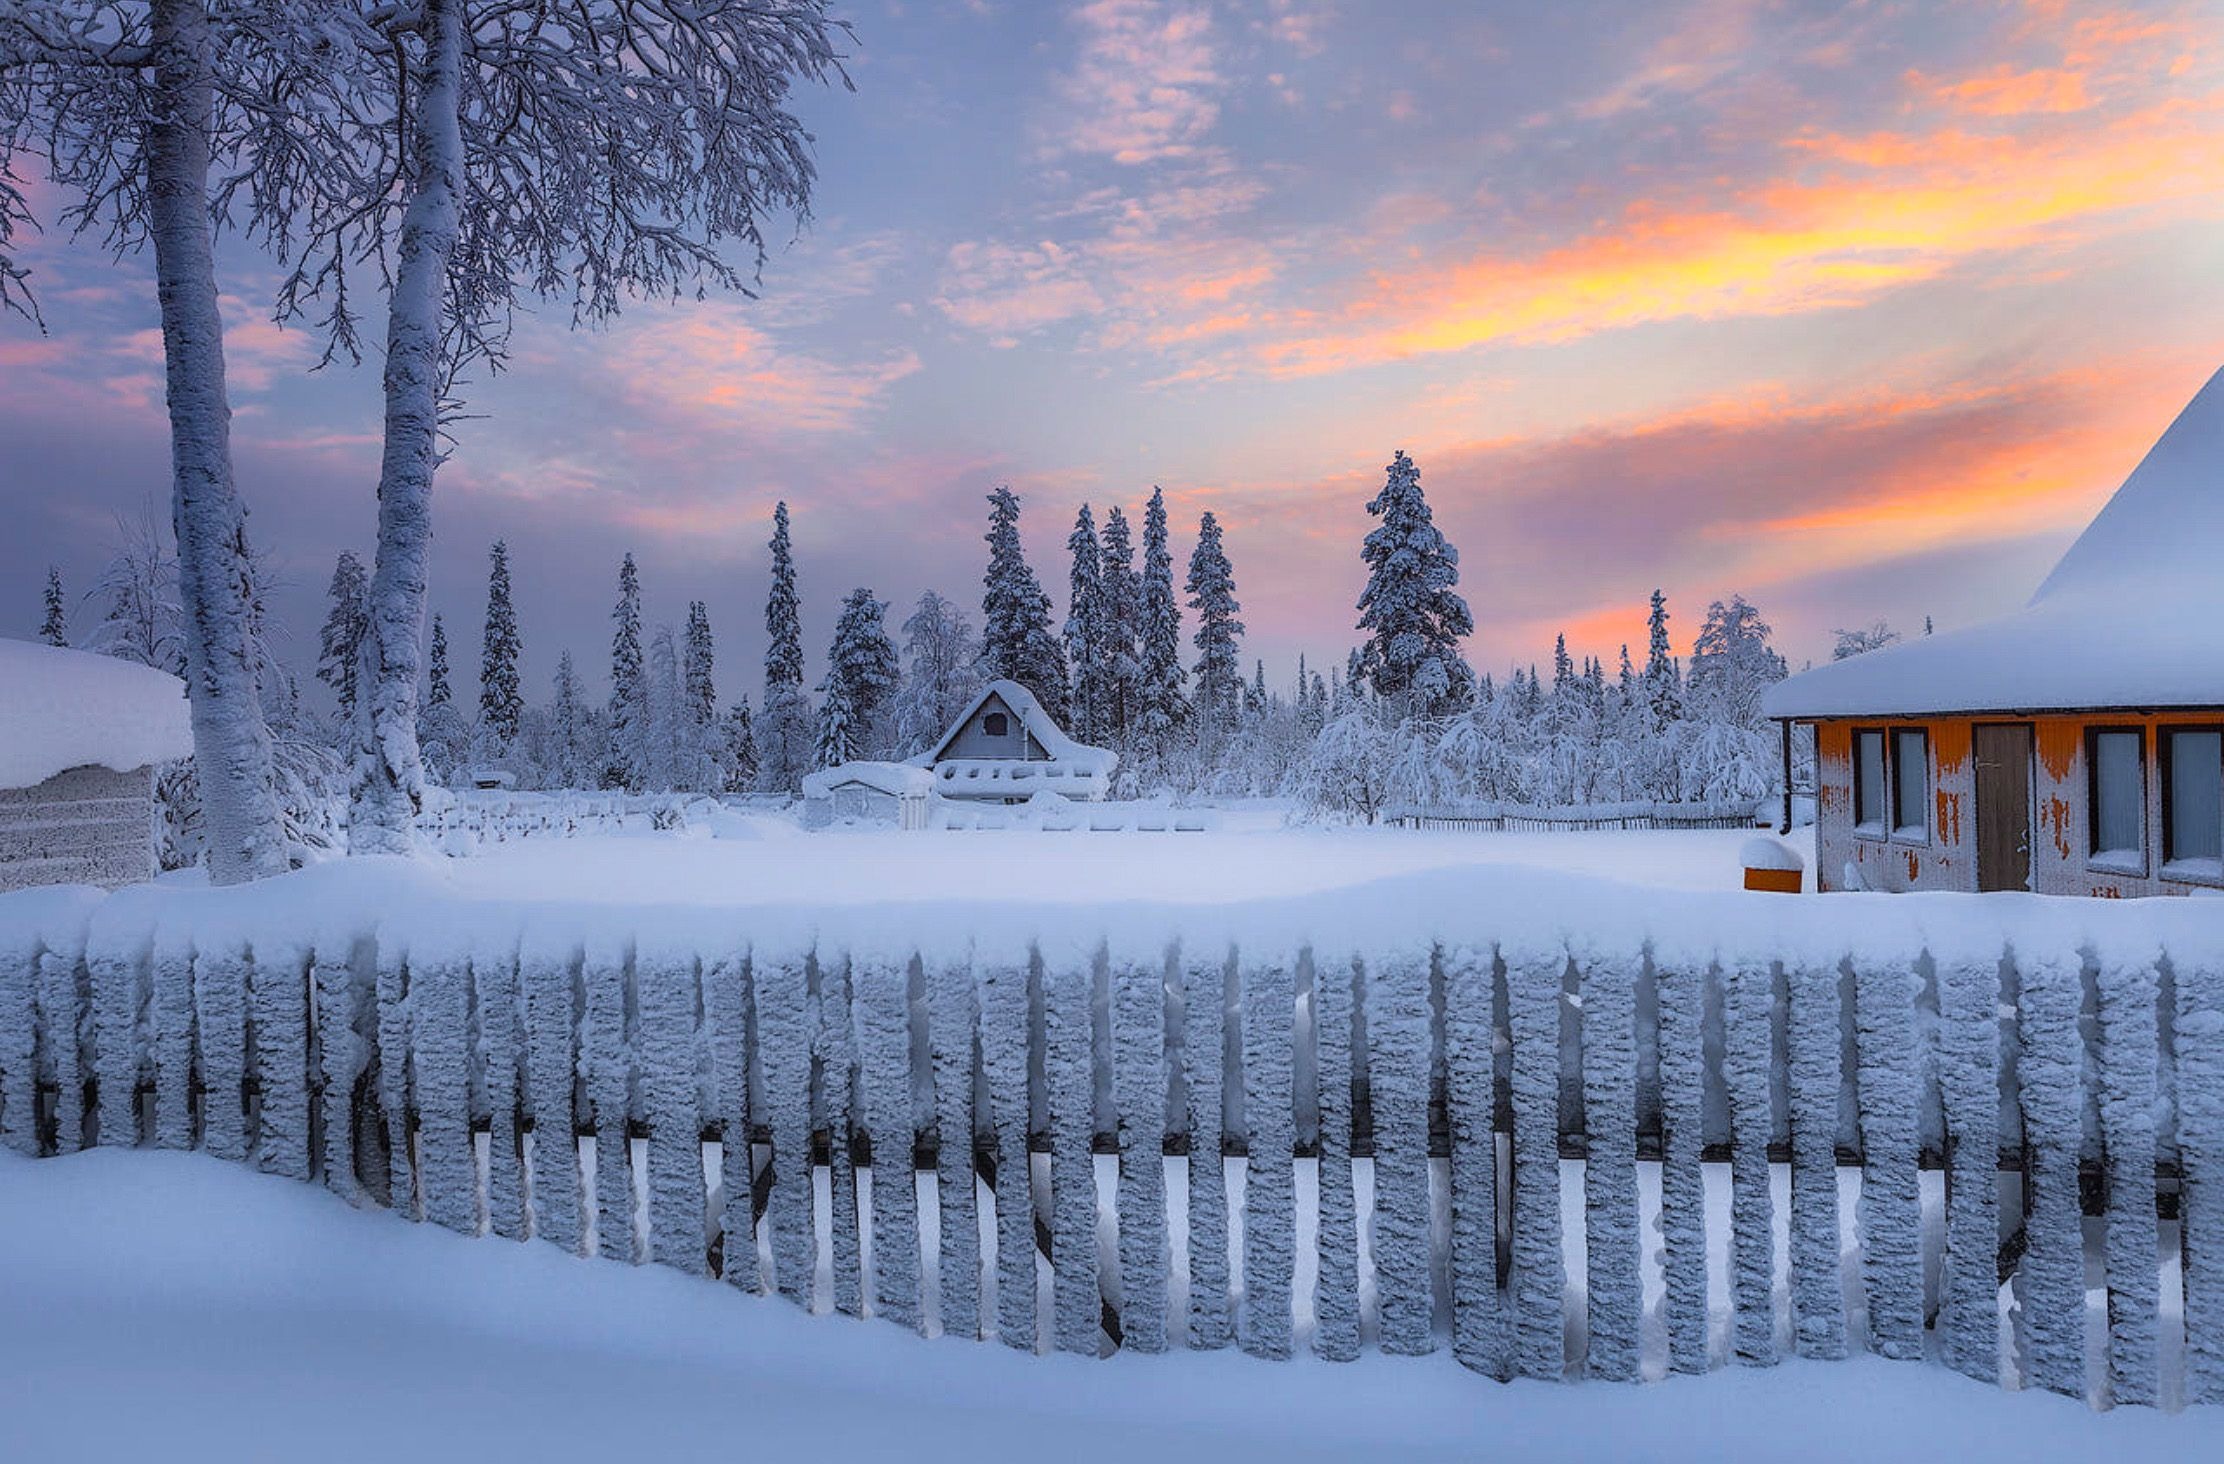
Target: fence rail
1587, 818
419, 1057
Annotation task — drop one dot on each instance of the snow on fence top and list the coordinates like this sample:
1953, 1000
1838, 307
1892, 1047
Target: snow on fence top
63, 709
2126, 618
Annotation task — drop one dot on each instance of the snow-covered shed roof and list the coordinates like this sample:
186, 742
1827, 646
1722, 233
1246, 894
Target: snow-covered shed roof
1039, 724
894, 779
63, 709
2127, 619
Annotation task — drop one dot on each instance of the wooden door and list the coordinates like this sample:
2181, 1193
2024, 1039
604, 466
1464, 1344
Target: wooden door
2003, 759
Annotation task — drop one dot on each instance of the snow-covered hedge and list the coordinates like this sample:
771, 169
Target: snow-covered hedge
360, 1024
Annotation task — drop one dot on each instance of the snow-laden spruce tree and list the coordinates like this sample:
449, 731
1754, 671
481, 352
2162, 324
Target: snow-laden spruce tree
340, 647
501, 702
629, 690
567, 765
941, 673
1016, 641
440, 728
1663, 677
1089, 709
740, 735
1413, 617
1119, 628
836, 742
169, 119
703, 754
1164, 708
54, 623
1732, 664
784, 733
662, 742
1212, 594
862, 662
583, 152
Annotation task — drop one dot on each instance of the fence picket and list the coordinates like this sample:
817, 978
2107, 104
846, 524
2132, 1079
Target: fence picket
342, 1055
880, 989
1814, 1027
1680, 986
784, 1046
1534, 976
607, 1057
494, 979
1969, 1096
1336, 1288
1269, 1185
2199, 1032
726, 1036
439, 1053
1616, 1297
116, 979
1398, 1083
1205, 1011
220, 1026
834, 1111
1005, 1007
2050, 1075
548, 970
669, 995
1889, 1061
953, 1043
392, 994
1748, 996
19, 1042
2130, 1045
280, 997
170, 1012
1069, 1065
1139, 1088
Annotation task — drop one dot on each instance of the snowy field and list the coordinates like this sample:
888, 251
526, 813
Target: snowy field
172, 1306
768, 860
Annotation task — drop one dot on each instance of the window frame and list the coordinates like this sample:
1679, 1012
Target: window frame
2093, 860
2168, 868
1907, 833
1880, 830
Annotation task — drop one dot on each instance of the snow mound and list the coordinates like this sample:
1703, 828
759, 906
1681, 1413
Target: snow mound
1761, 853
2126, 618
63, 709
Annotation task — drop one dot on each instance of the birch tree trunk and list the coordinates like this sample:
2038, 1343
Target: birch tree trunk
231, 745
389, 778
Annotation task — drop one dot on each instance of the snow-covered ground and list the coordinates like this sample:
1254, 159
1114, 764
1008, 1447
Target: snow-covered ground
163, 1305
768, 860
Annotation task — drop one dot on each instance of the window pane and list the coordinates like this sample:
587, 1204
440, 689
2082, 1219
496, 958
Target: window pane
2118, 822
2196, 795
1911, 782
1868, 778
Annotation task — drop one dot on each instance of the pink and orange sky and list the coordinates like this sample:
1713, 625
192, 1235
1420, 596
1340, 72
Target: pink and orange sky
1858, 309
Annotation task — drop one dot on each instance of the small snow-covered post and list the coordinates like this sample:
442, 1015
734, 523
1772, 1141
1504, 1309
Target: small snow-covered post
1748, 998
548, 969
1888, 1045
220, 1021
171, 1012
835, 1110
2049, 1072
1534, 977
494, 978
1336, 1293
726, 1016
669, 997
883, 998
2199, 1029
1269, 1188
61, 1017
280, 995
1471, 1091
2130, 1052
1398, 1083
1204, 1030
784, 1041
1969, 1101
606, 1061
115, 966
1680, 984
1067, 1033
1609, 987
1139, 1089
1005, 1022
393, 1066
1814, 1034
952, 1045
341, 1050
440, 1057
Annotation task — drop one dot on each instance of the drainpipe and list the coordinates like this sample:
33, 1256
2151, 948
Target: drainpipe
1786, 724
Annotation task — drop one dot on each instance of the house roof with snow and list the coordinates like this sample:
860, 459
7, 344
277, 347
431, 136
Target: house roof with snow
2128, 619
1039, 725
63, 709
894, 779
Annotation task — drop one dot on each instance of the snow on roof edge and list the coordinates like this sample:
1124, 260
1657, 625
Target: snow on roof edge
62, 709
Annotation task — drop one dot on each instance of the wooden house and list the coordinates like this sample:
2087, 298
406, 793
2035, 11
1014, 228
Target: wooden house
1005, 748
81, 737
2075, 747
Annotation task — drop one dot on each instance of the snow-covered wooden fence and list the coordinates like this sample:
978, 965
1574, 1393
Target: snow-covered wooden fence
1382, 1101
1574, 818
500, 815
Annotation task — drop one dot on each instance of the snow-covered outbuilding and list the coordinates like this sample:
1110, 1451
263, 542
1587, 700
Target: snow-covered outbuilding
80, 738
2075, 747
868, 792
1005, 748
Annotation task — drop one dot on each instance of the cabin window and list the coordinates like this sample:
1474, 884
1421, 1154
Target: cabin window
2117, 757
2193, 804
1868, 782
1911, 784
996, 724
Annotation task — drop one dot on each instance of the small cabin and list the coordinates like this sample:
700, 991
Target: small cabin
2075, 747
1005, 748
81, 737
894, 794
